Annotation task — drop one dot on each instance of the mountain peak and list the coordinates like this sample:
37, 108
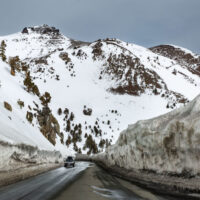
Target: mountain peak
43, 29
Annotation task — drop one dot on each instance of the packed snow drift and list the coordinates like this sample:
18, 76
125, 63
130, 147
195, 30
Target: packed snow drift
168, 144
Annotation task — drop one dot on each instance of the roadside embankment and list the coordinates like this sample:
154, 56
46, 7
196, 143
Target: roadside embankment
162, 153
181, 186
176, 186
20, 161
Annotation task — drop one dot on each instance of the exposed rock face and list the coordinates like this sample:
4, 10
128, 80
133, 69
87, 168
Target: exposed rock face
179, 55
167, 144
25, 30
49, 126
44, 29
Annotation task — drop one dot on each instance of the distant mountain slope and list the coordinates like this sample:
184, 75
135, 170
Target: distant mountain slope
182, 56
81, 95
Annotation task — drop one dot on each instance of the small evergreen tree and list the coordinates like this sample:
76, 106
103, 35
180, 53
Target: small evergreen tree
102, 143
91, 145
20, 103
59, 111
28, 82
68, 141
15, 63
31, 87
29, 116
45, 98
71, 118
2, 50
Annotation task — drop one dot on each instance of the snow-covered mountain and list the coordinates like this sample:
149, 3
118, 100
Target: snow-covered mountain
81, 95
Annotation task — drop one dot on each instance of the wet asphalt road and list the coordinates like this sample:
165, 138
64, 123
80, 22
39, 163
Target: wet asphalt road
43, 186
97, 184
85, 181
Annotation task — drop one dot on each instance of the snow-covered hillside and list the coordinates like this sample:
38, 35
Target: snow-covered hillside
182, 56
81, 95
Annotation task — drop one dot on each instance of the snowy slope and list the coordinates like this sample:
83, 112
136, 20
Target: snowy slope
15, 129
101, 87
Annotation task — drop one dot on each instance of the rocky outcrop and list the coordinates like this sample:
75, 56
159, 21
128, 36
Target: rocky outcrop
25, 30
168, 144
44, 29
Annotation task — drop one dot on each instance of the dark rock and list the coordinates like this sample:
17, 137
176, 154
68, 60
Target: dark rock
44, 29
25, 30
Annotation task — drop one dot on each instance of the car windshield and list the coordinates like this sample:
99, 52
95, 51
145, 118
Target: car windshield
69, 159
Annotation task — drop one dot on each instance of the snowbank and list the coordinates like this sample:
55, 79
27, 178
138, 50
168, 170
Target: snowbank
22, 155
20, 161
168, 144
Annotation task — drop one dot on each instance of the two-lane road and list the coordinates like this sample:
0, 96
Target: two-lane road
85, 181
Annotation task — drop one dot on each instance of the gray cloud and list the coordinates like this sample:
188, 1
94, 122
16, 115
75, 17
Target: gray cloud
144, 22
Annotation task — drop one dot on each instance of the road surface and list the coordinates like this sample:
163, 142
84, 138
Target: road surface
97, 184
86, 181
43, 186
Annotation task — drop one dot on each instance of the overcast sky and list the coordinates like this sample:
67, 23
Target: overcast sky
144, 22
